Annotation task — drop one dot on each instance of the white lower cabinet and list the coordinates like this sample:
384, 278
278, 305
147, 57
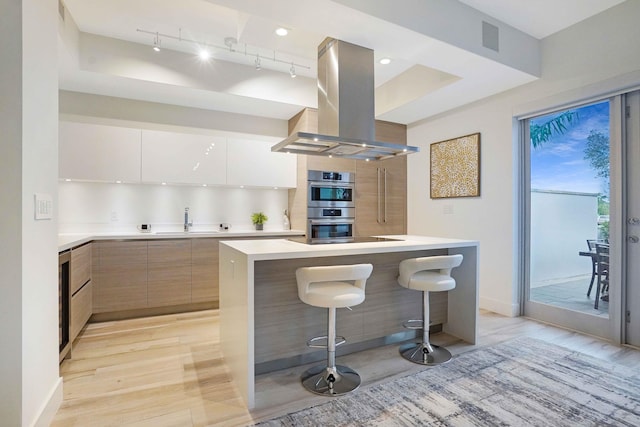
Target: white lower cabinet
183, 158
254, 164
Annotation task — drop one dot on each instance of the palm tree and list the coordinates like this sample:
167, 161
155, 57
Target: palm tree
541, 133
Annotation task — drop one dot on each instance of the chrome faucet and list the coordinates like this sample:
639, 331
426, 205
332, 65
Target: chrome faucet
187, 224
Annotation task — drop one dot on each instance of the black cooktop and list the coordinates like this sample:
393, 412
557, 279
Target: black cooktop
349, 240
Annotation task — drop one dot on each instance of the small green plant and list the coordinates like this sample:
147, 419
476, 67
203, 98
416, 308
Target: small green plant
259, 218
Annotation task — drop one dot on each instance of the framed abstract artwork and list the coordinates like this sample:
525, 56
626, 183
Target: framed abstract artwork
455, 167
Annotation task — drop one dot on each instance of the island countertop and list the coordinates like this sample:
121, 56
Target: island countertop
273, 249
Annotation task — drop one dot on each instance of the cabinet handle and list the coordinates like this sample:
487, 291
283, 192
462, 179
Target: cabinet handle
385, 196
379, 219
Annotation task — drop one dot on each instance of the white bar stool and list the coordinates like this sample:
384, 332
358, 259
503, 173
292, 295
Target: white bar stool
427, 274
326, 287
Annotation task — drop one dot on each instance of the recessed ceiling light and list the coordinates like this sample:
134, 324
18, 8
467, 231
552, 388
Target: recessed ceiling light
204, 54
164, 183
282, 31
385, 61
68, 179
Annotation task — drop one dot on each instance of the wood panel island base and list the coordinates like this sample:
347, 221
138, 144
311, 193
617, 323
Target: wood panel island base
264, 326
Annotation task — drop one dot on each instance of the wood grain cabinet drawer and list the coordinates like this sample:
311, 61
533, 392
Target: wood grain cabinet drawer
80, 267
80, 310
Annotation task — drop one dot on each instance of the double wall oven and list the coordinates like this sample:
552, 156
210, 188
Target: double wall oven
330, 207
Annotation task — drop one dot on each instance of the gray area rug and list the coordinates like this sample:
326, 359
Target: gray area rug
522, 382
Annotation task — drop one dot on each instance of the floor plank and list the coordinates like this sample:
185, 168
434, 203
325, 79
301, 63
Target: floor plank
169, 371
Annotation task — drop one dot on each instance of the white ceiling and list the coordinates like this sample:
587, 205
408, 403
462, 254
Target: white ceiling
541, 18
112, 57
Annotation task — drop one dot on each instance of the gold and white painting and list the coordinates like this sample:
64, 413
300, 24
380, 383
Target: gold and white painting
455, 167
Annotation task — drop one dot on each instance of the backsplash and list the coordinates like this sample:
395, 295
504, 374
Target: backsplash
86, 207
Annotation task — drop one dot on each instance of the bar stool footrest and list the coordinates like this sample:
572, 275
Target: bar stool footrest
313, 342
413, 324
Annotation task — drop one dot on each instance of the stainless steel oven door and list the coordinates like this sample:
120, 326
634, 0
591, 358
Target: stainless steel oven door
324, 194
330, 230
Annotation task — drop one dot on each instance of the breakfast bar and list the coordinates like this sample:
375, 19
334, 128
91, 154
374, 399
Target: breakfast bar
264, 326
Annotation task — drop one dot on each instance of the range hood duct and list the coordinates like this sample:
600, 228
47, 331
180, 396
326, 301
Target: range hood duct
346, 104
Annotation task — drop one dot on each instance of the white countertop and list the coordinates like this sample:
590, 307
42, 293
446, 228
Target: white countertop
70, 240
285, 249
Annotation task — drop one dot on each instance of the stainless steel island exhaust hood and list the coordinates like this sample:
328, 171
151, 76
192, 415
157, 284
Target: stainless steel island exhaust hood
346, 103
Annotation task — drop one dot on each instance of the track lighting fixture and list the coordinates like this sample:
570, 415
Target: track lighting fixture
230, 45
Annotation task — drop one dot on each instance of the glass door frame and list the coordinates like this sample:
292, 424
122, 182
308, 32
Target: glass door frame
607, 328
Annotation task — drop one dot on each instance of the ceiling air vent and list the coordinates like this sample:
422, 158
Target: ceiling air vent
490, 36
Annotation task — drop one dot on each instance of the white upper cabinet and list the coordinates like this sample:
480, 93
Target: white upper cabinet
94, 152
182, 158
98, 152
252, 163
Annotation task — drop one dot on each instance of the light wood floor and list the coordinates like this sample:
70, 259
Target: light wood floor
168, 371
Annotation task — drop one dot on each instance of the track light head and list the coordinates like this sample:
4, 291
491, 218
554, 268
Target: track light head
156, 42
258, 65
292, 72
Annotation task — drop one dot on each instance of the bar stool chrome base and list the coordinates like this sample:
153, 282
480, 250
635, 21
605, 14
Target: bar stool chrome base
418, 352
330, 381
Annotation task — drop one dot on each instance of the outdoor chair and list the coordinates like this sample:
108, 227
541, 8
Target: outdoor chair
602, 258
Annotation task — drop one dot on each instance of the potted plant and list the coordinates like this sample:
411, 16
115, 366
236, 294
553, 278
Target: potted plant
258, 219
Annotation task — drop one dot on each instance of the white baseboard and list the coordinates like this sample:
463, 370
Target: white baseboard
50, 408
500, 307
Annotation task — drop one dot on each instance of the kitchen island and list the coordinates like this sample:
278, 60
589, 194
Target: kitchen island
264, 326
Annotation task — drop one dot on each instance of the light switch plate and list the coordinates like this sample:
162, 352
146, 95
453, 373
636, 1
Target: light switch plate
43, 207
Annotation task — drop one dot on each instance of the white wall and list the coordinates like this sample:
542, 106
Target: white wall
101, 207
561, 223
31, 389
11, 214
591, 58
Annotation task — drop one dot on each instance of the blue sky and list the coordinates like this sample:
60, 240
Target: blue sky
559, 164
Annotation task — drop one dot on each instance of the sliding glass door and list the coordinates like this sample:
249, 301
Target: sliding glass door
567, 201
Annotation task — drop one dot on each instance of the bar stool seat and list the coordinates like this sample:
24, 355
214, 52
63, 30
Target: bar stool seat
332, 294
331, 287
427, 274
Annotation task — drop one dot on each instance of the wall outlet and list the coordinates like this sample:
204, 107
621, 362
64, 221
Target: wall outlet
447, 209
114, 216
